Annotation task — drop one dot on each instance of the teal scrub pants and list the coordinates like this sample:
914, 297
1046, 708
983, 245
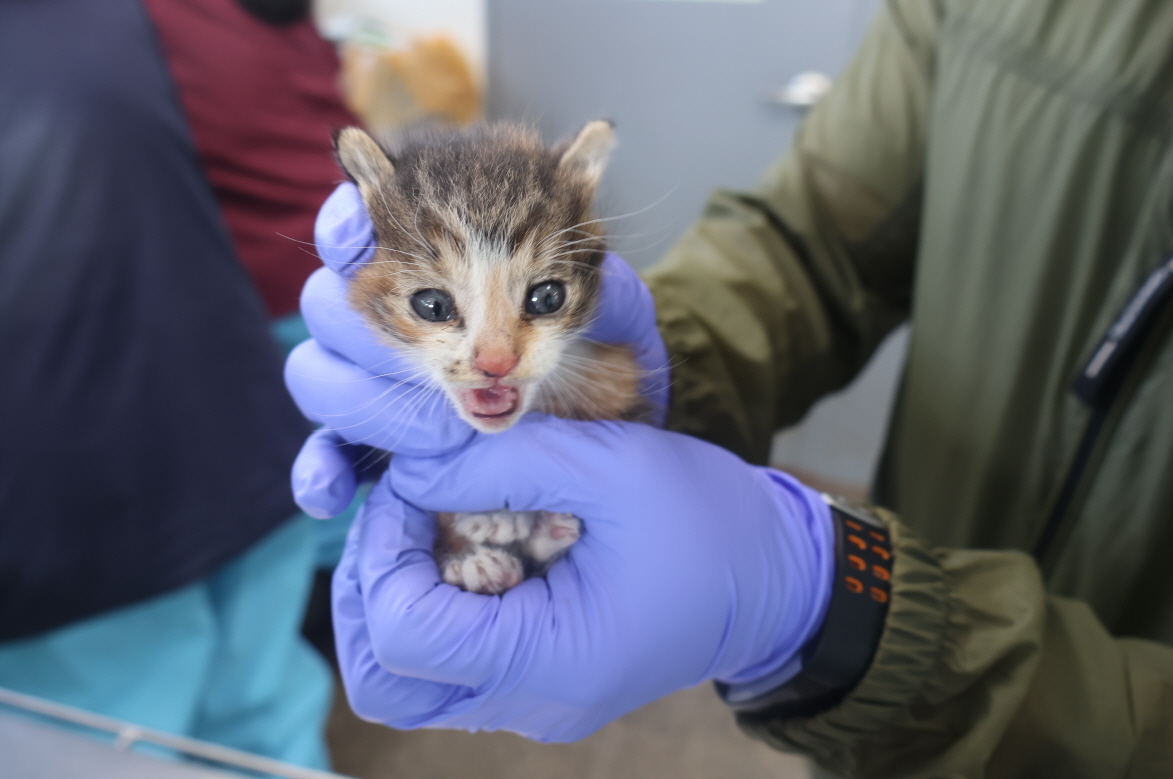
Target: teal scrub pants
220, 660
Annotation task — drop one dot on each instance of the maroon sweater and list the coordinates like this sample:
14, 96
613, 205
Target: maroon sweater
262, 103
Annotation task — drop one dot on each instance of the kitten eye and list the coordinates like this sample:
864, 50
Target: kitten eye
545, 298
433, 305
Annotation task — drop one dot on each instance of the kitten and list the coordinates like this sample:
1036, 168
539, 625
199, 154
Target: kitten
486, 274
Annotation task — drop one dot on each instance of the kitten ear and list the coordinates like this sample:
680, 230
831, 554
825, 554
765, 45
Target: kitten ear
362, 159
590, 149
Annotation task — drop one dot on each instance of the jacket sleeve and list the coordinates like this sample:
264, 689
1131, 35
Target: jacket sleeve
778, 296
979, 673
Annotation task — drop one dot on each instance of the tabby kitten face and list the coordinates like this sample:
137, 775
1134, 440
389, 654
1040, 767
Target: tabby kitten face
487, 269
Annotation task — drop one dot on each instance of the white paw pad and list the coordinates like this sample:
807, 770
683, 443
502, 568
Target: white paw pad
495, 527
552, 535
484, 570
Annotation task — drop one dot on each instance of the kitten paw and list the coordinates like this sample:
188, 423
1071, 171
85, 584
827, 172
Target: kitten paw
495, 527
484, 570
552, 535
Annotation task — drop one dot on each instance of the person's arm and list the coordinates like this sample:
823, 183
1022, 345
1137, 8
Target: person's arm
979, 673
778, 296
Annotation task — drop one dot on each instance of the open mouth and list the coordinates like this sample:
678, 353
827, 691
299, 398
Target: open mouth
491, 403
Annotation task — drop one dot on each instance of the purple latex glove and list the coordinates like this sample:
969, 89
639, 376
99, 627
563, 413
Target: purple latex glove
693, 566
343, 233
362, 392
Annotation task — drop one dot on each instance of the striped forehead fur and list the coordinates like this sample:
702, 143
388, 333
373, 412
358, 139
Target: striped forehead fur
494, 191
499, 180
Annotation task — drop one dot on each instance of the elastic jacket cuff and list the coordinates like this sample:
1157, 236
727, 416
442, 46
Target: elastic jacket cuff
909, 648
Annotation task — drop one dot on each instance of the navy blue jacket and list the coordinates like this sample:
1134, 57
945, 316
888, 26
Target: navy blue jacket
145, 434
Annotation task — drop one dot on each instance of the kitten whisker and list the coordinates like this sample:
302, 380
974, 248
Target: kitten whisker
370, 457
420, 261
403, 416
583, 358
362, 422
571, 396
586, 265
424, 403
567, 253
554, 236
323, 246
582, 378
602, 219
428, 248
351, 412
591, 238
612, 236
418, 374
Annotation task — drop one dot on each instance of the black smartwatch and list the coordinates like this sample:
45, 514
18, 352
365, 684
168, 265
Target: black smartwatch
839, 655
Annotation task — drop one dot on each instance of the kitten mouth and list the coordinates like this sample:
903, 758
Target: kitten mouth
491, 403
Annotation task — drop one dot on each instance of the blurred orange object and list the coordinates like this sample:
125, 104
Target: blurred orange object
429, 79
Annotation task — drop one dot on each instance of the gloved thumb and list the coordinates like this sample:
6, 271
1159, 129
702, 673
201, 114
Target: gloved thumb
323, 475
343, 232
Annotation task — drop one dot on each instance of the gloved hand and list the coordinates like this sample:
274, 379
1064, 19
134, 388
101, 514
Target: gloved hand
693, 566
363, 392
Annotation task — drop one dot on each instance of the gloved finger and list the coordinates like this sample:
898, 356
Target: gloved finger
626, 315
388, 412
626, 309
323, 475
426, 629
343, 232
339, 328
540, 463
373, 692
533, 715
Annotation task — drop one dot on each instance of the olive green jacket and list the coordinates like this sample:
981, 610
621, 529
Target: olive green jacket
1000, 174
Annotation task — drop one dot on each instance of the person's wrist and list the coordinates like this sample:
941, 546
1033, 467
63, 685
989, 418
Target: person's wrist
804, 530
837, 656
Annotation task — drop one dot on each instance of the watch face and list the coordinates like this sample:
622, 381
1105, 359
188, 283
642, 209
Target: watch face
862, 513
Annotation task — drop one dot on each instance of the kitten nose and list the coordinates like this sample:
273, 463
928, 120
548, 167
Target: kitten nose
494, 363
